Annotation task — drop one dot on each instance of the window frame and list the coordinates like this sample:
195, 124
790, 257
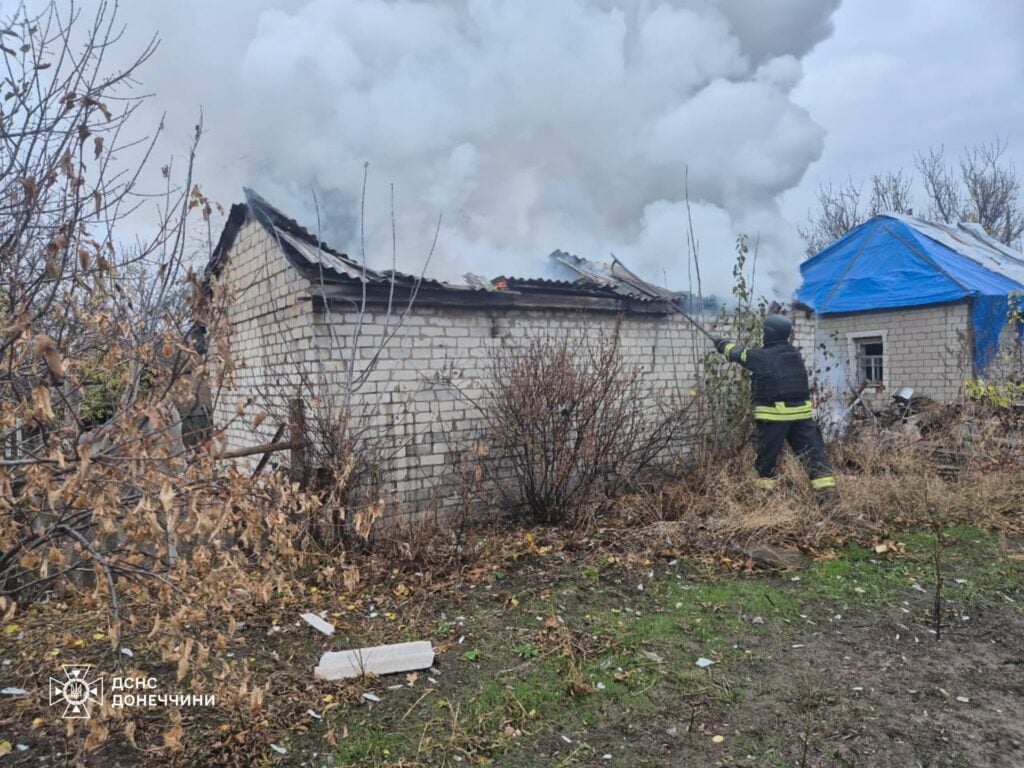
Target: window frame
855, 341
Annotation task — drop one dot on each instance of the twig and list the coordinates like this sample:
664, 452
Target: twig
937, 549
414, 705
266, 456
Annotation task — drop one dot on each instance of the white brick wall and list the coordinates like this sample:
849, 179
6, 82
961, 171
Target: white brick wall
269, 335
427, 388
924, 349
803, 333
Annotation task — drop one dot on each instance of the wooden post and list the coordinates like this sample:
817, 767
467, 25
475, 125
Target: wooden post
297, 428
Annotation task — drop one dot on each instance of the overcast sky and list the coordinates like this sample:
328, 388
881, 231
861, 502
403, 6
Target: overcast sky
897, 77
579, 124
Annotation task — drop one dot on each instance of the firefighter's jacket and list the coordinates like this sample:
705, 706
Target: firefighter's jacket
780, 390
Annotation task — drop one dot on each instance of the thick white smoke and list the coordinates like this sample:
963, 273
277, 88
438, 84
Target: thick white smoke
533, 125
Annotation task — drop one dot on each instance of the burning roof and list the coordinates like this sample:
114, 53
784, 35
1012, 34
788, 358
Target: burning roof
334, 274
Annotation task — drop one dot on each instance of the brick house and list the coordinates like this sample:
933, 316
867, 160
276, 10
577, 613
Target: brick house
408, 356
900, 302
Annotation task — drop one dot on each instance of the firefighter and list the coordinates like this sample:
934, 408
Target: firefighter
782, 404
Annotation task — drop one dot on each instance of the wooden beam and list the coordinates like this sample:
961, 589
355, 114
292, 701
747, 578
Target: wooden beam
239, 453
266, 456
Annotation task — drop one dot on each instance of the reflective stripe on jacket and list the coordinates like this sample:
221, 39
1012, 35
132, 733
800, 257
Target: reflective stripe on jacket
783, 412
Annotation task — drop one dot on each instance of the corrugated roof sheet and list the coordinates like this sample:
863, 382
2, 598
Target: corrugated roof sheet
616, 277
319, 258
312, 254
319, 262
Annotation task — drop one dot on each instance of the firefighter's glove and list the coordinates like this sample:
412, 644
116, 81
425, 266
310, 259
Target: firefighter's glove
720, 345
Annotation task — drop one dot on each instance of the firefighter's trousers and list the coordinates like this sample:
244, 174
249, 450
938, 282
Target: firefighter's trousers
804, 437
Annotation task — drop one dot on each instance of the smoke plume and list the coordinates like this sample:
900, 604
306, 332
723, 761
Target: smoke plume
531, 124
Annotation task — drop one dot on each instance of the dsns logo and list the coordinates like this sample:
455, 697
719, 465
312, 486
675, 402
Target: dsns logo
77, 690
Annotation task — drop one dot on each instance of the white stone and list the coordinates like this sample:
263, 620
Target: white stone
378, 660
317, 623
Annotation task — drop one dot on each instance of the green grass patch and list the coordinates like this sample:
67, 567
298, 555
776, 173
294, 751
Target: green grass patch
974, 567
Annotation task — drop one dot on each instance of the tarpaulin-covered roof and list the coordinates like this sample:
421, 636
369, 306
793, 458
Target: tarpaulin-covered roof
893, 262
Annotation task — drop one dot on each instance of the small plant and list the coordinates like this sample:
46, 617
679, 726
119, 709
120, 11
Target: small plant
937, 604
526, 651
808, 706
938, 548
994, 394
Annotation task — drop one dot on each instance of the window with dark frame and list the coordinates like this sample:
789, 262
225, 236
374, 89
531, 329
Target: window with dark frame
870, 360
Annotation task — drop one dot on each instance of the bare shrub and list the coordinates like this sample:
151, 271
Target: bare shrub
95, 353
348, 470
572, 423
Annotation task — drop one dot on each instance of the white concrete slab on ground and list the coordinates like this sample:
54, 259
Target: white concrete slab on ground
377, 660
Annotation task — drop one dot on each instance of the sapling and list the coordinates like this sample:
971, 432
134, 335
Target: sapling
808, 712
938, 545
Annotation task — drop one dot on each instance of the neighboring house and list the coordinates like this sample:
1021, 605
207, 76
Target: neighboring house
900, 302
309, 324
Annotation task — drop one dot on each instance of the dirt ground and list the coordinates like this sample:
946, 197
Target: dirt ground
861, 685
588, 655
860, 696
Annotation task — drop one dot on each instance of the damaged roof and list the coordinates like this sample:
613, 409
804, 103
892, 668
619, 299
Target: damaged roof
971, 240
892, 261
614, 276
306, 252
333, 274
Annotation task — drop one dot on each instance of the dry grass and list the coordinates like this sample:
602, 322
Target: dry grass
881, 487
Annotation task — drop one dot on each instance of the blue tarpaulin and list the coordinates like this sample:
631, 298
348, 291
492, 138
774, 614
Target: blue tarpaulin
893, 262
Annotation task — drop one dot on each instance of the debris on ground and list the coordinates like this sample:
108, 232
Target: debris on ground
377, 660
318, 624
775, 557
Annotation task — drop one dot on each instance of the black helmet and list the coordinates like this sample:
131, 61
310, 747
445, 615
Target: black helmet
777, 328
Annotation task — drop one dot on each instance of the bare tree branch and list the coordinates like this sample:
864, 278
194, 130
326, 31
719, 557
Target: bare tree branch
983, 188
